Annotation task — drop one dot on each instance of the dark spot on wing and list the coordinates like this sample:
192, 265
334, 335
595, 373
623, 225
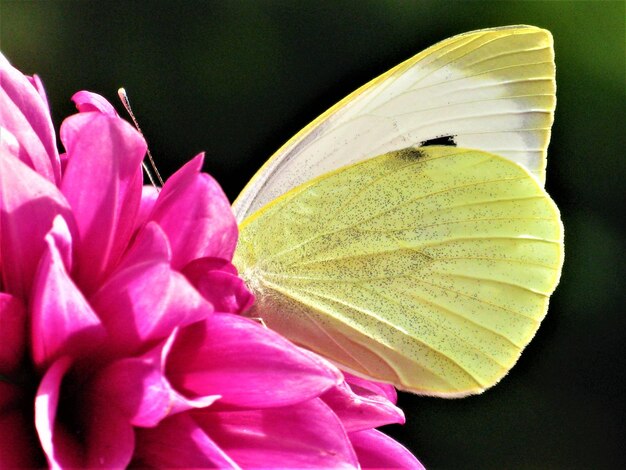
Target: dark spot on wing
447, 140
410, 154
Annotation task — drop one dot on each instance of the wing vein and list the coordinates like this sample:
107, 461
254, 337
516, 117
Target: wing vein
279, 254
449, 289
404, 332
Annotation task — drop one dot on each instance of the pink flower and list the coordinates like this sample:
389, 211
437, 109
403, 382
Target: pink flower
121, 342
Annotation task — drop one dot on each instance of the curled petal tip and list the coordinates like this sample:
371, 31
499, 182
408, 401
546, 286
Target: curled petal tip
87, 101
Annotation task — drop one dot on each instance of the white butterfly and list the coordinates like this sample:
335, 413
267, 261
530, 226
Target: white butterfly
424, 266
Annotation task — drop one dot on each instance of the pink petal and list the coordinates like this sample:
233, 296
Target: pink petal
36, 82
25, 114
178, 442
61, 236
139, 388
149, 246
110, 439
10, 396
144, 299
9, 144
12, 333
195, 214
70, 130
18, 448
216, 279
58, 446
365, 387
149, 196
245, 363
18, 445
87, 101
102, 183
200, 265
102, 437
376, 450
363, 409
28, 205
307, 435
62, 321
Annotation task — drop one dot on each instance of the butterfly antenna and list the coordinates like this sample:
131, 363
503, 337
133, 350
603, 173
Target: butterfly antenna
124, 98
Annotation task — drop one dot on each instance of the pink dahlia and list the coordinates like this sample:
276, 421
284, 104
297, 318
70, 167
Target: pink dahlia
121, 342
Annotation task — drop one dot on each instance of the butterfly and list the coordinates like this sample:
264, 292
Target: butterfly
405, 234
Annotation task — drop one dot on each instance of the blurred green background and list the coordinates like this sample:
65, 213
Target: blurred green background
237, 79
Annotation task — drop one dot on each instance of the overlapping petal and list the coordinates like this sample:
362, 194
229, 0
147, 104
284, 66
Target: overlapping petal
149, 196
28, 205
87, 101
8, 143
18, 442
24, 113
56, 443
361, 410
247, 364
12, 332
376, 450
36, 82
217, 280
18, 447
109, 436
145, 299
102, 183
195, 214
179, 442
97, 435
139, 387
367, 388
62, 321
307, 435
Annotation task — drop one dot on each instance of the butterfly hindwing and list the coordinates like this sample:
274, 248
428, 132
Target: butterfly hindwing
429, 268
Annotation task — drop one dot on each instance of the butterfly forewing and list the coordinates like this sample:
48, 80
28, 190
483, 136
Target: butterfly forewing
492, 90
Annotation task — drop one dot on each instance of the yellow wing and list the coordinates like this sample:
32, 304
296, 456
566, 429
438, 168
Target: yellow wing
429, 268
492, 90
